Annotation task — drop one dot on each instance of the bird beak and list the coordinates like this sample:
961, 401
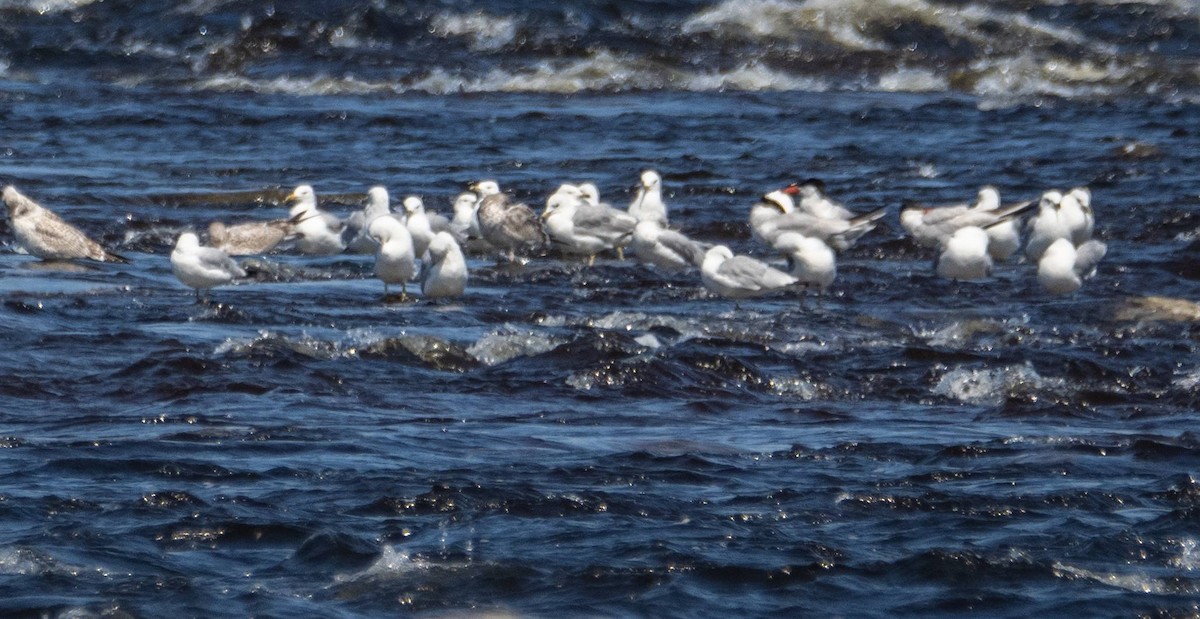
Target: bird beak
291, 197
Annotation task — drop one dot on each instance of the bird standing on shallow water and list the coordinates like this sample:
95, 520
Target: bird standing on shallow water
395, 262
648, 204
444, 274
1063, 267
507, 226
964, 256
44, 234
202, 267
318, 233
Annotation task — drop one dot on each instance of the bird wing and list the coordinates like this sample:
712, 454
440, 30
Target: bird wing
217, 260
521, 222
682, 246
1088, 255
741, 272
606, 223
59, 233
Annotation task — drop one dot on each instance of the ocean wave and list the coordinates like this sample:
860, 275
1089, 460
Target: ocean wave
44, 7
485, 32
986, 49
602, 72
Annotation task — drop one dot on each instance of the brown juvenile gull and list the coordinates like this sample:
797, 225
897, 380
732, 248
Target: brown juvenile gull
251, 237
506, 225
47, 236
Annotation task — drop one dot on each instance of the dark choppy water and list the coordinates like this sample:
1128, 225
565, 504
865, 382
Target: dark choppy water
607, 441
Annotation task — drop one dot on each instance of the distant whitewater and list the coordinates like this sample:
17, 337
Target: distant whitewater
1001, 50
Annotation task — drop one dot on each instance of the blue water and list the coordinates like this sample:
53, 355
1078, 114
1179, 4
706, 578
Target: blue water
605, 441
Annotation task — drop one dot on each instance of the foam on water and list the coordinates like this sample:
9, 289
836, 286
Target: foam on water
992, 386
508, 343
485, 32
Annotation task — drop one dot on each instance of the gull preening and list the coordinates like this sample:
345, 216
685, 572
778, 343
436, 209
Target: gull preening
358, 224
318, 233
444, 274
200, 267
1063, 267
44, 234
810, 260
964, 255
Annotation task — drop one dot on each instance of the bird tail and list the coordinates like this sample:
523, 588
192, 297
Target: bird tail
111, 257
865, 218
1013, 210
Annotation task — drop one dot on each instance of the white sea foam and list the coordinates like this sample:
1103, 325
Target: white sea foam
1026, 74
909, 79
484, 32
991, 386
1138, 582
510, 343
46, 6
862, 24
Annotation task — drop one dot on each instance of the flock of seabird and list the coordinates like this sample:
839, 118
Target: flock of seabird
799, 222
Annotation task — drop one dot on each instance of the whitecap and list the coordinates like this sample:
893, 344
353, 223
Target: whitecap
483, 31
908, 79
992, 386
508, 343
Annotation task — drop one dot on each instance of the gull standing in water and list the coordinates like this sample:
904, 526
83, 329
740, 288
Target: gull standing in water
507, 226
444, 274
318, 233
202, 267
740, 277
418, 225
1063, 267
666, 249
358, 224
1077, 217
44, 234
810, 260
394, 262
1046, 226
648, 203
1083, 234
465, 225
964, 256
585, 229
